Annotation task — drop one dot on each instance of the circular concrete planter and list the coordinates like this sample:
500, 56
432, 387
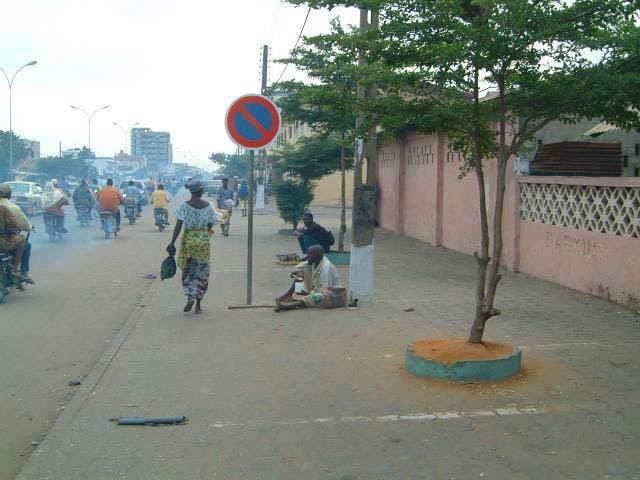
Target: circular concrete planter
464, 370
339, 258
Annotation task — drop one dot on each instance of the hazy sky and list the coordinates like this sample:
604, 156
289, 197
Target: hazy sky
169, 64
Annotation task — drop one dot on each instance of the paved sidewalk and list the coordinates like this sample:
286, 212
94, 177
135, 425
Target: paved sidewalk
324, 394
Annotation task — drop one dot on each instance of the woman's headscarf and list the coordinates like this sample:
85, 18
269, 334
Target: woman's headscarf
51, 195
194, 186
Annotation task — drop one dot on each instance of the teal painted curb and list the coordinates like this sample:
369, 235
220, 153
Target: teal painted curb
491, 370
339, 258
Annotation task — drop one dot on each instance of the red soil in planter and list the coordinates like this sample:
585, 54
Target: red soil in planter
452, 350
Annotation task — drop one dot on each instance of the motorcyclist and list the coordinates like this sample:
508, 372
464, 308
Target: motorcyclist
150, 185
53, 201
95, 189
12, 222
160, 199
133, 195
110, 200
83, 196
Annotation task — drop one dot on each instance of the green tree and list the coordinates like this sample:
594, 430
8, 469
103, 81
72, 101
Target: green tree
328, 105
75, 165
302, 163
19, 151
293, 196
542, 60
231, 165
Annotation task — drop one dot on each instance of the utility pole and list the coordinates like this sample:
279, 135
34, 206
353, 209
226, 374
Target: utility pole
364, 192
10, 82
262, 154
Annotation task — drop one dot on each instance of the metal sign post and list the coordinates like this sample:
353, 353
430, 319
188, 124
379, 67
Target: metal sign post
250, 230
252, 122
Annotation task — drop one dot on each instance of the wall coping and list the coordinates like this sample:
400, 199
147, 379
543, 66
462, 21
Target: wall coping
588, 181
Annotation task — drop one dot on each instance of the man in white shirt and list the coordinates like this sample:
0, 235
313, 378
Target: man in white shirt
322, 285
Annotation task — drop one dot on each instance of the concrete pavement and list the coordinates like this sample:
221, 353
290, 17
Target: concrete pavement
56, 331
324, 394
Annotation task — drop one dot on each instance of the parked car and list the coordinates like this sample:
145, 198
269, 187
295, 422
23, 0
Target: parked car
140, 186
28, 196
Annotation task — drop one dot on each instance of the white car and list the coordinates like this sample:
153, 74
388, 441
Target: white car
28, 196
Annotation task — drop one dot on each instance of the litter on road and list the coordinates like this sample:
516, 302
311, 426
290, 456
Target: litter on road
151, 421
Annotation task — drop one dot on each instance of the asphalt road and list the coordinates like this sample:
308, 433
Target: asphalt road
55, 332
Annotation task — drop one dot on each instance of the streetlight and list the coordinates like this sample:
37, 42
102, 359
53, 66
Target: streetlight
10, 83
90, 116
126, 132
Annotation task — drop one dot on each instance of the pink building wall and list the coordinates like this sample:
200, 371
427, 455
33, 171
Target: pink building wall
422, 197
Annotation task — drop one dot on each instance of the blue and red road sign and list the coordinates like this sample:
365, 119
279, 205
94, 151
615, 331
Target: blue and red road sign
253, 121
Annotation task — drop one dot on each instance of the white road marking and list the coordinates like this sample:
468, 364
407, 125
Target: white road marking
409, 417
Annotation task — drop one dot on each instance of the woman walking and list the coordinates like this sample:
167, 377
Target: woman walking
197, 217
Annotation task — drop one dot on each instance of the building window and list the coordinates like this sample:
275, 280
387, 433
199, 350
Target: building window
637, 172
625, 161
637, 149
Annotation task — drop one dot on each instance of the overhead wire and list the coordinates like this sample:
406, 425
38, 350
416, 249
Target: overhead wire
286, 65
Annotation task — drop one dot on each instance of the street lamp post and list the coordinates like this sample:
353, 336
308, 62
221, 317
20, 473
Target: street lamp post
125, 131
90, 117
10, 83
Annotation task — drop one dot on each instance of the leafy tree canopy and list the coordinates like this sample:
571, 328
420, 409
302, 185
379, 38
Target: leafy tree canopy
19, 151
231, 165
311, 158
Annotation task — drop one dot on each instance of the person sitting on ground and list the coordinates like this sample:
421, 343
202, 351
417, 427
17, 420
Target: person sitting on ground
322, 285
110, 200
313, 234
160, 199
12, 222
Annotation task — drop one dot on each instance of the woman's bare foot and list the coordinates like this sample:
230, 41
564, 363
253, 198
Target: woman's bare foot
189, 305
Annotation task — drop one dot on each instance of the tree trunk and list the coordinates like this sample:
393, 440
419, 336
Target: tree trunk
343, 201
488, 268
477, 329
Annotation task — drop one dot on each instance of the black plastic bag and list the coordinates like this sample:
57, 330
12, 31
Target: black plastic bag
168, 268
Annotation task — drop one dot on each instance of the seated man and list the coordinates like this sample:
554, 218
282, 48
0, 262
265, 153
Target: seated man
313, 234
322, 287
12, 222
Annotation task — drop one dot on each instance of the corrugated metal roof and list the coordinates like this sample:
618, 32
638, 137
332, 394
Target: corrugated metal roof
599, 129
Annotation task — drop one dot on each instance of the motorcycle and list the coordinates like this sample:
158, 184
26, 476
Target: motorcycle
7, 279
54, 225
131, 211
160, 215
108, 224
84, 216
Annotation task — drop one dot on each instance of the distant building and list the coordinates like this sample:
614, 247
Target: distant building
33, 150
130, 163
77, 152
105, 166
155, 146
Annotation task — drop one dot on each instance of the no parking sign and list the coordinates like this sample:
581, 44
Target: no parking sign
253, 121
